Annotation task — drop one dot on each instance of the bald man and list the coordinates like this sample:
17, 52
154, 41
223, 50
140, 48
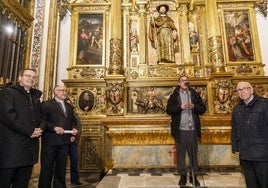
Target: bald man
250, 135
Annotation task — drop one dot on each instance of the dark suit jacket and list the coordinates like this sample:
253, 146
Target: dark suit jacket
55, 117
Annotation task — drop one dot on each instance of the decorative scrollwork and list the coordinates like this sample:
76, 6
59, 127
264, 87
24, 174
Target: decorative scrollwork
262, 8
223, 96
62, 8
115, 98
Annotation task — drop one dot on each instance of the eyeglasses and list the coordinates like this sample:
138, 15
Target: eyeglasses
29, 76
184, 80
62, 90
243, 89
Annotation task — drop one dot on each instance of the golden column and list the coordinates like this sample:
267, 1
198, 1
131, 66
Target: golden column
183, 20
115, 66
214, 39
51, 62
142, 31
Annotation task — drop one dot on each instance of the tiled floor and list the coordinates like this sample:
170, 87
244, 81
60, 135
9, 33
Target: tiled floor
88, 180
168, 179
153, 178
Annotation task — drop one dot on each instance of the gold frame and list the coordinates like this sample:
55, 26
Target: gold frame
75, 32
86, 107
244, 8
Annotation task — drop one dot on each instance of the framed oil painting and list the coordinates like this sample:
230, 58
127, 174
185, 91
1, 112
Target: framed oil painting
90, 39
86, 100
239, 36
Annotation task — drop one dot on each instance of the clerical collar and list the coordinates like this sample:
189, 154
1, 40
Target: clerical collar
250, 99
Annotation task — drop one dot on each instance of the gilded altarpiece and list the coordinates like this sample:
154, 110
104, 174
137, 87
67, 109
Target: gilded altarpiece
125, 124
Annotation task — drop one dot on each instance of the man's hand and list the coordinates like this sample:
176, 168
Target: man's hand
37, 132
74, 131
59, 130
72, 139
187, 106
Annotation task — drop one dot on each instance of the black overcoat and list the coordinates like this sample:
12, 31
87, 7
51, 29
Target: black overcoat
19, 116
174, 109
250, 129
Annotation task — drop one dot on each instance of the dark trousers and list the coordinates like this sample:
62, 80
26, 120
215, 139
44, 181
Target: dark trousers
187, 142
256, 173
53, 161
73, 155
15, 177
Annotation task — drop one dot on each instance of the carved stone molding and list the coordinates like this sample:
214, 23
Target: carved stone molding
115, 97
223, 96
62, 8
262, 7
151, 135
86, 73
140, 135
128, 131
216, 135
37, 31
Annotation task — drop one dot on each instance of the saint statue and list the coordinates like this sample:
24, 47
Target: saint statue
163, 34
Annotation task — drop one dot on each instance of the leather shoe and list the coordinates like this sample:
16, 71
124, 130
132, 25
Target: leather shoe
77, 183
183, 180
196, 182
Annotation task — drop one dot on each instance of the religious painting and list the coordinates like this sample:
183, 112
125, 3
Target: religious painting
86, 100
148, 100
152, 100
90, 39
238, 33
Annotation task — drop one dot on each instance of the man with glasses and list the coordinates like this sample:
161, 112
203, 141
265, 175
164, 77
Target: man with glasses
20, 128
61, 125
185, 106
250, 135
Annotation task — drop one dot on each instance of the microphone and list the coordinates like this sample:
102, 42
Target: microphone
187, 84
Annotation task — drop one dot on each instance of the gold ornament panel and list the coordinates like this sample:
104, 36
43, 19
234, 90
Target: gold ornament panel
130, 88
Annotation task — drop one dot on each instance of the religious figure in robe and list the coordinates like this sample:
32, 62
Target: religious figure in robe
163, 35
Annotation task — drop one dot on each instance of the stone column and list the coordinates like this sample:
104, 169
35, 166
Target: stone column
214, 39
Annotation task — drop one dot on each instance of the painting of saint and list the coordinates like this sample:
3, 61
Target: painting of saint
90, 39
238, 35
86, 100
